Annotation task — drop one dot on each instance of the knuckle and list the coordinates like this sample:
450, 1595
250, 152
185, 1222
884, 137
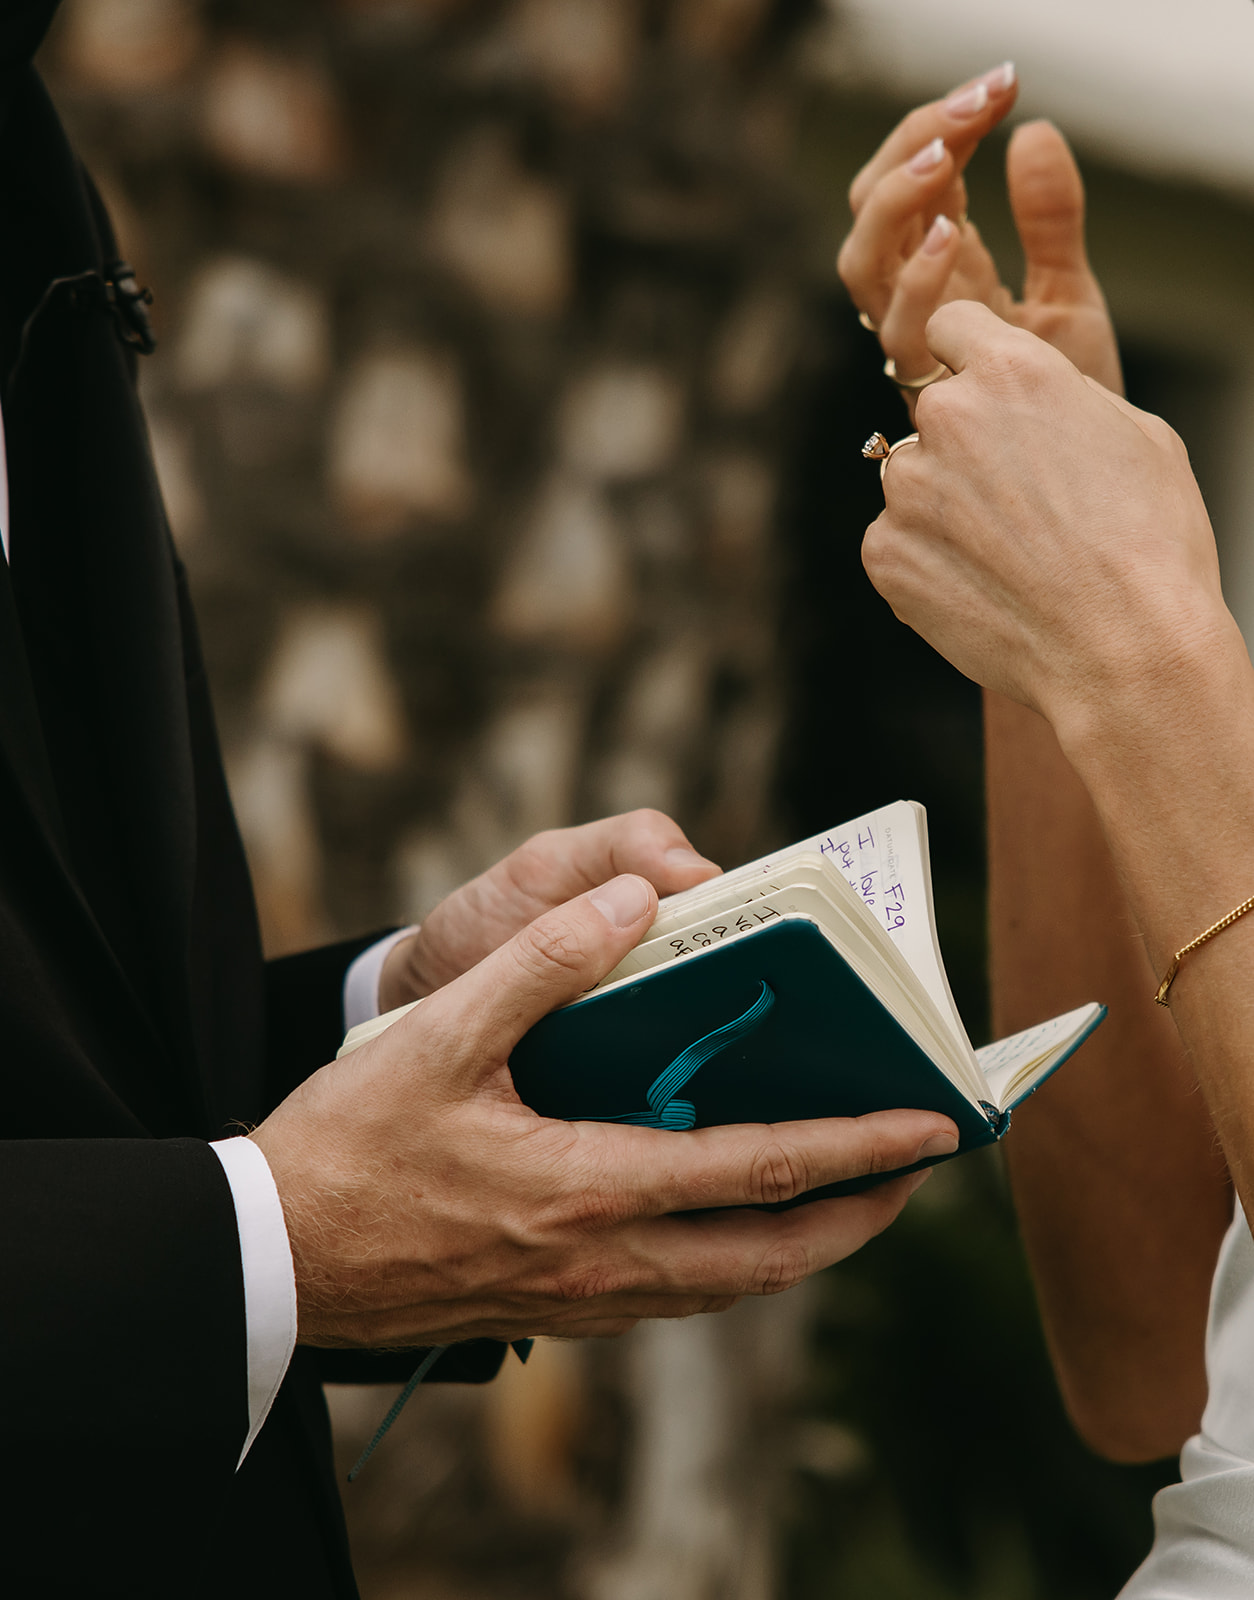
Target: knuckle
934, 406
887, 1206
597, 1206
695, 1306
783, 1266
874, 557
845, 260
860, 188
649, 818
585, 1210
640, 833
614, 1328
582, 1284
874, 1152
928, 406
1165, 437
1016, 363
547, 948
715, 1304
855, 266
881, 555
543, 843
776, 1173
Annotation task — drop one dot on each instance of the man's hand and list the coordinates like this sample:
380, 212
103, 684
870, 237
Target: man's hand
545, 872
425, 1204
912, 250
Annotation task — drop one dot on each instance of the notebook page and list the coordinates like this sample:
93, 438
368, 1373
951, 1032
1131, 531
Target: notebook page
1010, 1063
886, 977
883, 860
877, 855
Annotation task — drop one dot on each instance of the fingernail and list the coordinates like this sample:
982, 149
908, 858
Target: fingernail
967, 102
929, 158
622, 901
918, 1179
940, 1144
1000, 78
684, 859
938, 236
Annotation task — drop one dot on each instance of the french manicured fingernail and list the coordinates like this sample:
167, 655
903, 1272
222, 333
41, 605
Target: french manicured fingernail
918, 1179
940, 1144
968, 102
622, 901
929, 158
938, 236
1000, 78
683, 859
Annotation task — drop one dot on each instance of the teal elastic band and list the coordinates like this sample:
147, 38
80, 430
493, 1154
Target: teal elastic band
398, 1405
665, 1111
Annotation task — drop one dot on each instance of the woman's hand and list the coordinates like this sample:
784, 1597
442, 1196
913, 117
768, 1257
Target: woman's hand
547, 871
1046, 536
1050, 540
912, 250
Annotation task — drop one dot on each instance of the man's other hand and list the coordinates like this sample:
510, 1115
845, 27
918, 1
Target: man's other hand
426, 1204
547, 871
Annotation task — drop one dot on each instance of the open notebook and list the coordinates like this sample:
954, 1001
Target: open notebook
806, 984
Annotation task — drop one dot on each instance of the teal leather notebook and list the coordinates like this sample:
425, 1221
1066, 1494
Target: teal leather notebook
826, 1048
807, 984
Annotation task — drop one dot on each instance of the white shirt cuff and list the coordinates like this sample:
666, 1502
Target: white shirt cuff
361, 981
269, 1277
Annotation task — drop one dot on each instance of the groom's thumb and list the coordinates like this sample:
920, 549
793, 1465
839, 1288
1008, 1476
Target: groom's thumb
553, 960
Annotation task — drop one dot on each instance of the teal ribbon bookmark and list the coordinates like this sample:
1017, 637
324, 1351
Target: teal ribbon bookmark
666, 1110
398, 1405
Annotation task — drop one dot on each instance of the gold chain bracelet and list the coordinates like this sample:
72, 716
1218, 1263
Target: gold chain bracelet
1218, 927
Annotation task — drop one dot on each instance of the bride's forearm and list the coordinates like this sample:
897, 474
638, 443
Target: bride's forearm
1170, 767
1113, 1164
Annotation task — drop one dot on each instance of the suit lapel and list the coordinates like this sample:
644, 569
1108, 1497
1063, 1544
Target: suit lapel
111, 781
21, 737
94, 584
24, 755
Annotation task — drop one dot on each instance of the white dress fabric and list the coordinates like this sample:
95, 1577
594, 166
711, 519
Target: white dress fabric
1204, 1525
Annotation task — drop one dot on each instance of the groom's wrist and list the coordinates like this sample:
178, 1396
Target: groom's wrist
401, 977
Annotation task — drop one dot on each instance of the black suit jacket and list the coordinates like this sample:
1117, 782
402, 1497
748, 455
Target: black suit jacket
138, 1019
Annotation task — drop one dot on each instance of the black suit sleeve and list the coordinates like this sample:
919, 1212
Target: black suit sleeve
23, 24
305, 1011
123, 1361
476, 1361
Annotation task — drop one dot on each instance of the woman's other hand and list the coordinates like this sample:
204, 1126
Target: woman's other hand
911, 248
1047, 537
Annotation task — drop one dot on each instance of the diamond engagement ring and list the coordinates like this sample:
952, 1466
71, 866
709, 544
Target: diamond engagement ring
877, 448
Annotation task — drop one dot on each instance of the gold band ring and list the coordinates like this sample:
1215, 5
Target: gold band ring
866, 322
939, 371
877, 448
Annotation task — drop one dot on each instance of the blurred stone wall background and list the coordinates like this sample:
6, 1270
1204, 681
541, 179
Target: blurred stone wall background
479, 323
481, 326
